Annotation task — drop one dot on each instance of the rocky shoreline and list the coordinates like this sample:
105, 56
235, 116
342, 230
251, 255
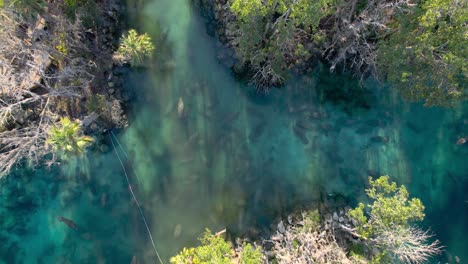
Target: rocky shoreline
59, 63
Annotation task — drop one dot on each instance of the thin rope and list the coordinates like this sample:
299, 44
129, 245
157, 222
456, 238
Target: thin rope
120, 145
126, 155
137, 203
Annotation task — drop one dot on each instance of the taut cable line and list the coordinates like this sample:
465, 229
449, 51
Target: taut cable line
133, 194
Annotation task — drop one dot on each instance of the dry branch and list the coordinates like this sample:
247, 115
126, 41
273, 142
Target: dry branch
33, 71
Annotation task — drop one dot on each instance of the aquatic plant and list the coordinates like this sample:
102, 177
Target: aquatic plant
66, 138
388, 225
215, 249
135, 47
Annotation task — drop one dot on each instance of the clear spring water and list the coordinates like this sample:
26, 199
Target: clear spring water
233, 158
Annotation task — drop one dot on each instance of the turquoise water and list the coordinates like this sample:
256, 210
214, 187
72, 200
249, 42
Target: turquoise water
232, 158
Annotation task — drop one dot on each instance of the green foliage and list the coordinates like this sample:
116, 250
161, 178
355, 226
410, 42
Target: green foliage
426, 58
135, 47
96, 103
391, 207
62, 44
87, 10
357, 214
65, 138
312, 220
25, 6
272, 32
250, 255
70, 8
214, 249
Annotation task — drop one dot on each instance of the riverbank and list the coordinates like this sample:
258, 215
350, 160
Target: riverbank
60, 64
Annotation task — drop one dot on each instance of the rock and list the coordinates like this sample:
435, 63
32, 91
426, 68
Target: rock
341, 219
39, 30
328, 218
335, 216
89, 119
110, 84
33, 79
111, 91
281, 227
94, 126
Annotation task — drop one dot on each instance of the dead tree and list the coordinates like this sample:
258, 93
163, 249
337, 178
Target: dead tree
354, 34
408, 244
304, 244
34, 73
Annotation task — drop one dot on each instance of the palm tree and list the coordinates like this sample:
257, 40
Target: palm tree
66, 138
135, 47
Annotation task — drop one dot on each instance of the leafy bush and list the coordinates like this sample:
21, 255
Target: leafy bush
66, 138
96, 103
388, 227
134, 47
390, 207
26, 6
426, 58
215, 249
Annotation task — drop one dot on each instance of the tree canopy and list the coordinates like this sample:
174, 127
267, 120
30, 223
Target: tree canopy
426, 57
271, 35
385, 223
419, 47
214, 249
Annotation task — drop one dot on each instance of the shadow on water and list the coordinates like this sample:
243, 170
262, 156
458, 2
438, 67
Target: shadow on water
205, 150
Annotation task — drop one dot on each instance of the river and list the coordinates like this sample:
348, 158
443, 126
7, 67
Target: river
204, 149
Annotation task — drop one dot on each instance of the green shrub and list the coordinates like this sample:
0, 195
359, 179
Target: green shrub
26, 6
214, 249
250, 255
135, 47
96, 103
66, 138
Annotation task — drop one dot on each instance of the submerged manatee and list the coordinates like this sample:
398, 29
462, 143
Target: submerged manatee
180, 107
68, 222
461, 141
300, 134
